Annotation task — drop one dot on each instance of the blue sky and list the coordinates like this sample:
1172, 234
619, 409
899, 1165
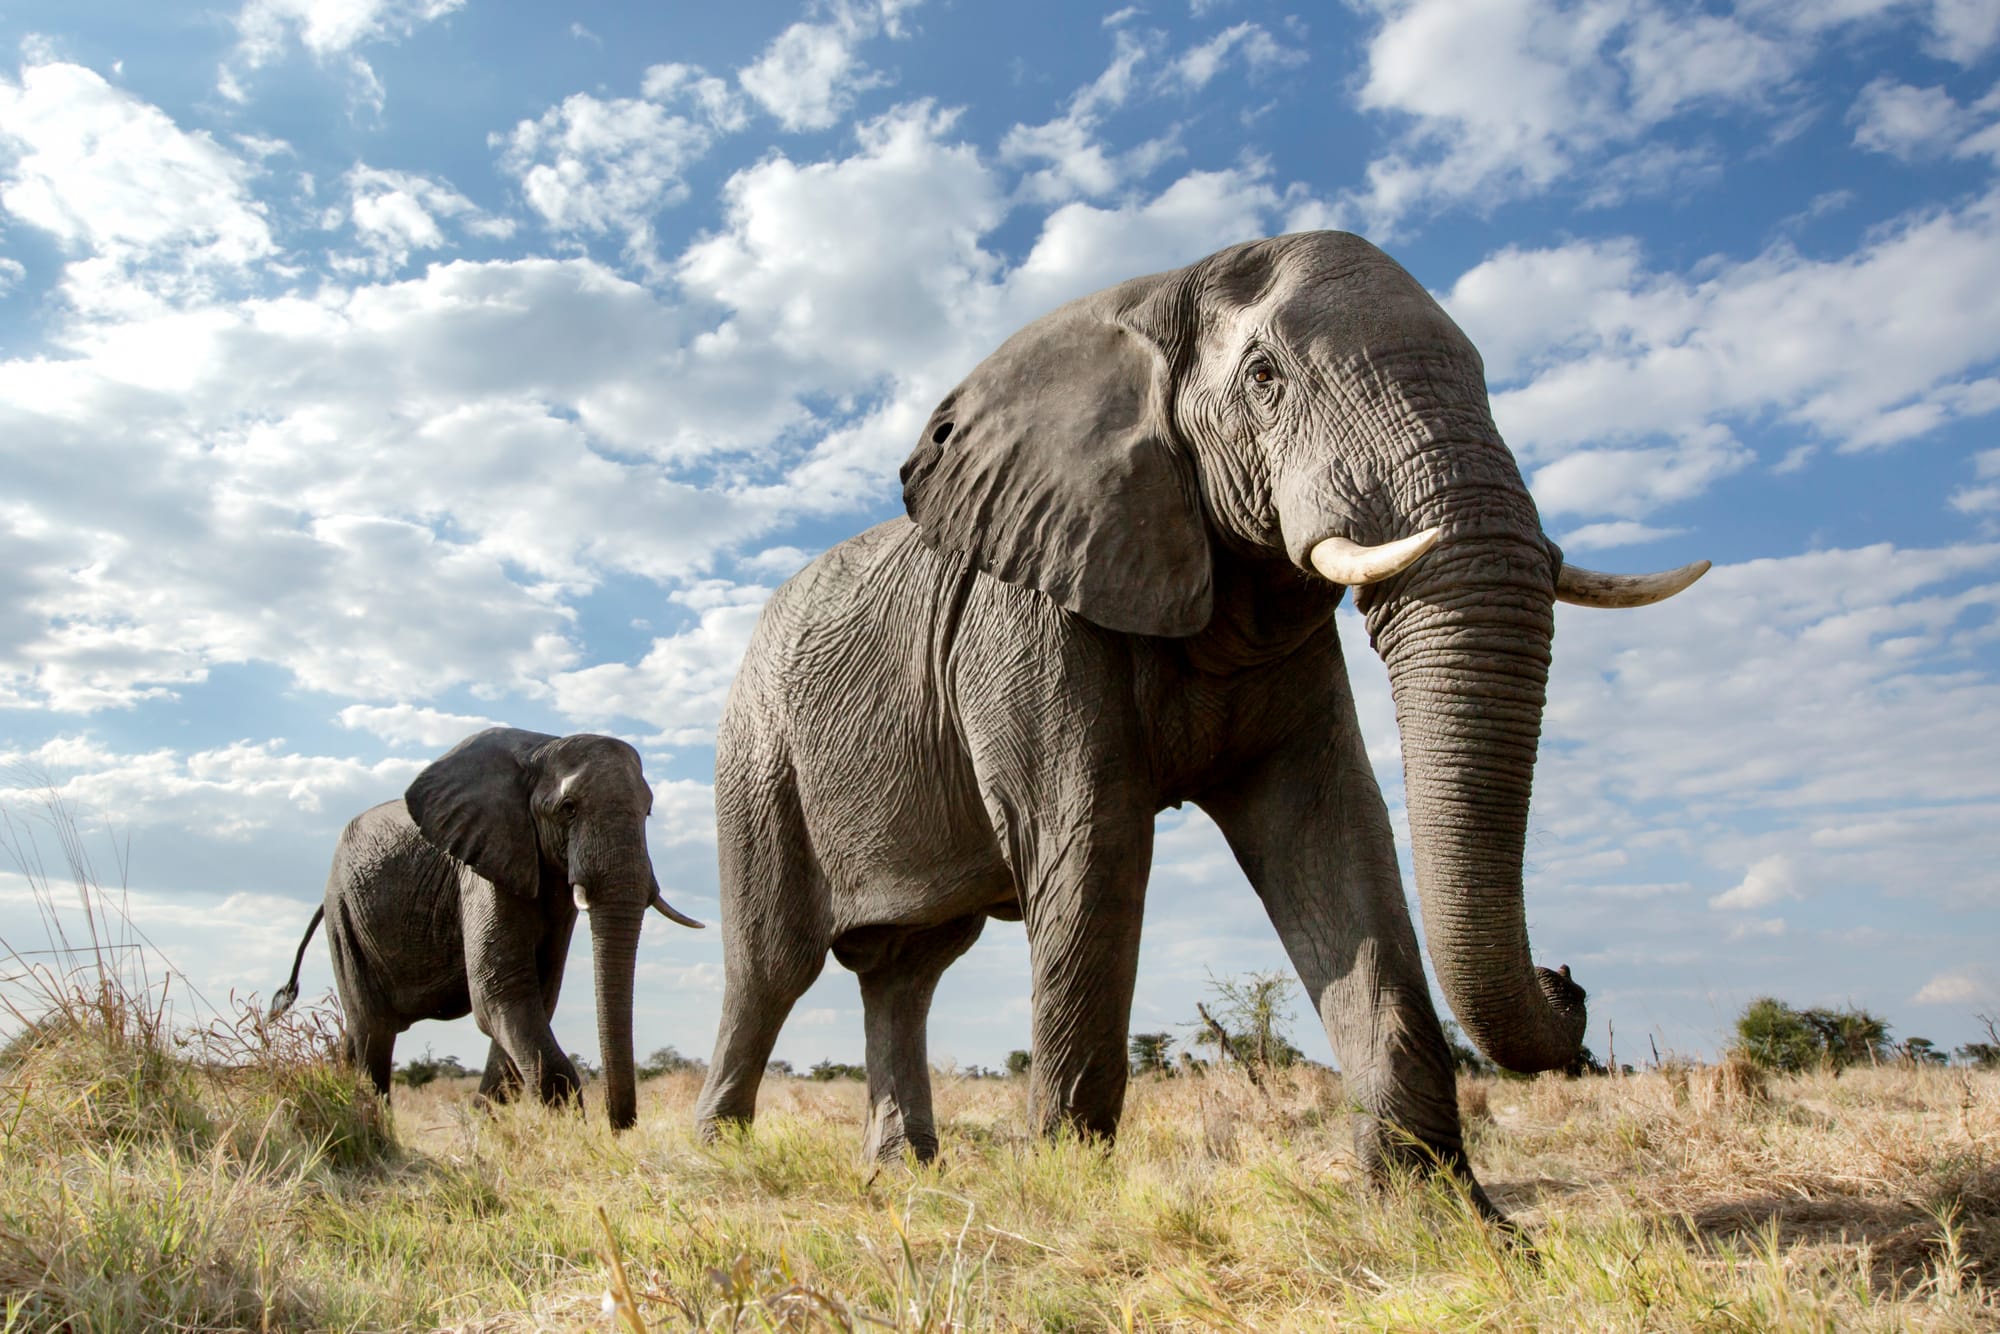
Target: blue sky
374, 369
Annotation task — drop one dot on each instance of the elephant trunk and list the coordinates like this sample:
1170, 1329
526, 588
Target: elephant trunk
1467, 649
614, 943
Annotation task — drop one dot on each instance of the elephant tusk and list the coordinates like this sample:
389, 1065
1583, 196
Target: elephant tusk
1590, 588
674, 914
1350, 563
576, 892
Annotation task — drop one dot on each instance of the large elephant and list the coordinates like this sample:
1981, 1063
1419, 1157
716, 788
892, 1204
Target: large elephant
1128, 530
461, 896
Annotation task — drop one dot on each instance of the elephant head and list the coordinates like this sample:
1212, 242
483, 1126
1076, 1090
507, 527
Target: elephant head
541, 815
1301, 401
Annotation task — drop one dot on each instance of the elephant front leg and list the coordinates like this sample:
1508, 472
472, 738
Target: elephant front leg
896, 996
1062, 767
501, 1081
1312, 833
1083, 945
504, 979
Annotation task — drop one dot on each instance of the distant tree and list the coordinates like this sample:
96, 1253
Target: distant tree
836, 1070
1919, 1051
1982, 1055
583, 1066
667, 1061
1465, 1057
1152, 1053
1849, 1037
1985, 1055
1251, 1010
1018, 1062
415, 1074
778, 1068
1777, 1037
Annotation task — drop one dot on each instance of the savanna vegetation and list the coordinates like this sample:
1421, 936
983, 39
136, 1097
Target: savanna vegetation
144, 1189
159, 1174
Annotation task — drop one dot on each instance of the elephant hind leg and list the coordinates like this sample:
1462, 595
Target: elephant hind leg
372, 1048
755, 1003
896, 993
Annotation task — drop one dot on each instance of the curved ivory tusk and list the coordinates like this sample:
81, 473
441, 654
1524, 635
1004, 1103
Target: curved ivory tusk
1350, 563
578, 896
674, 914
1589, 588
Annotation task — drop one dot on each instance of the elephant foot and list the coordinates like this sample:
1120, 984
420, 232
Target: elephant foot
889, 1139
920, 1148
715, 1129
1385, 1153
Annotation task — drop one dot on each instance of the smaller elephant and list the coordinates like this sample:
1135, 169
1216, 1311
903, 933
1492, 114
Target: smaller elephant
460, 897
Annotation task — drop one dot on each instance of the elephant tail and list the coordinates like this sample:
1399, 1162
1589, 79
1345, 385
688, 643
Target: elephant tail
290, 991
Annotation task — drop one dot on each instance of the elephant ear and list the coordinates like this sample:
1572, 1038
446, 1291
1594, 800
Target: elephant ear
472, 802
1054, 466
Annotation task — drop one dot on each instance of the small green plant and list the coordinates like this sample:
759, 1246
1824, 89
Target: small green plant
1249, 1019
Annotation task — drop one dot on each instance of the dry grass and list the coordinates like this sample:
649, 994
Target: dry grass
155, 1174
1680, 1200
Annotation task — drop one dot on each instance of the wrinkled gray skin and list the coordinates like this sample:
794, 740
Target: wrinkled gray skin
461, 897
1102, 606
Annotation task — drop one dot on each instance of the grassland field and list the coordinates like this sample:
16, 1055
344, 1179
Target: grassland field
239, 1179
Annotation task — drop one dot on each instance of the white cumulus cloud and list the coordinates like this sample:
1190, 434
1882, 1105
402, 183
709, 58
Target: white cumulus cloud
412, 724
810, 74
1963, 988
595, 165
1622, 387
119, 185
329, 30
1768, 881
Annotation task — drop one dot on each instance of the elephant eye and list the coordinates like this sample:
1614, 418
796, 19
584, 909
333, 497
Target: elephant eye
1261, 372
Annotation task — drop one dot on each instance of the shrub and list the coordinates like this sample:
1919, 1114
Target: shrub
1849, 1037
667, 1061
1982, 1055
415, 1074
1250, 1019
1777, 1037
1465, 1058
1774, 1035
836, 1070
